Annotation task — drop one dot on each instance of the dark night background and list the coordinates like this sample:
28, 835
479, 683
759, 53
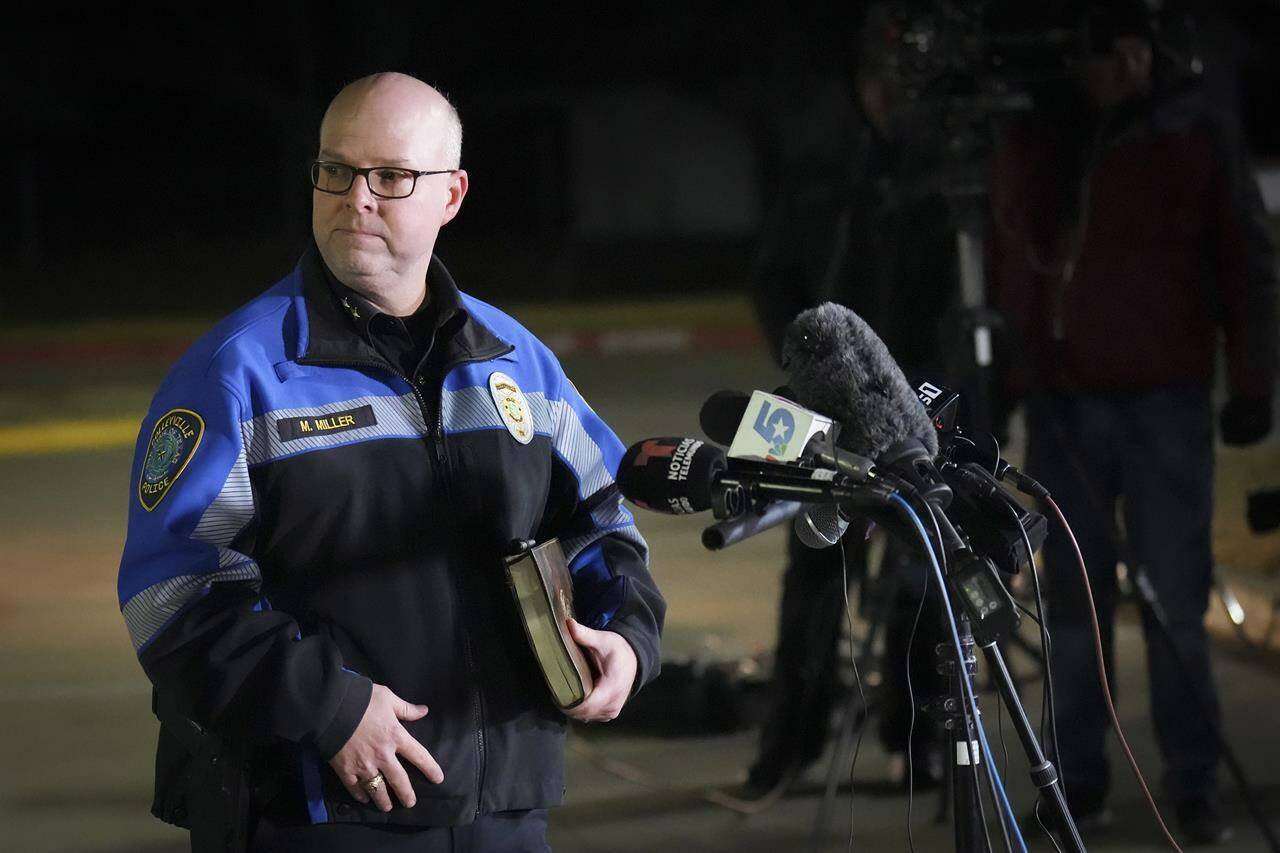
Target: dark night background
155, 160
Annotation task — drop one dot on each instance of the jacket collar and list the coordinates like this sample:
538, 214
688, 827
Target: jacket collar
328, 333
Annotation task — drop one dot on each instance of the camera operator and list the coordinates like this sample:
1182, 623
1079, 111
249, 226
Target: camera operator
1128, 232
839, 231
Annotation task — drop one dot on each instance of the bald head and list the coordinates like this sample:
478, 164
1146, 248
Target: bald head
417, 110
381, 245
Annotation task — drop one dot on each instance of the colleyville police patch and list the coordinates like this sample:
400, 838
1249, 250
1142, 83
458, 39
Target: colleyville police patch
173, 442
512, 407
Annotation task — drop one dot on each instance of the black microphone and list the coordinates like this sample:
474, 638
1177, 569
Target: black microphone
679, 475
724, 410
670, 474
721, 414
817, 525
840, 368
731, 531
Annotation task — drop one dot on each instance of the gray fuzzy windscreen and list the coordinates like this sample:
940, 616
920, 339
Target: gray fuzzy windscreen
840, 368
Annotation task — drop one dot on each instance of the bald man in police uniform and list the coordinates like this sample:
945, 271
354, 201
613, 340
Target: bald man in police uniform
325, 487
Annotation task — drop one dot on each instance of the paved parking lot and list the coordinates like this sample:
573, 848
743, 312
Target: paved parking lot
76, 734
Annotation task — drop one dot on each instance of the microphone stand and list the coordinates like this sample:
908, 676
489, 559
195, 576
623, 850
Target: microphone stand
970, 820
737, 489
1044, 775
912, 459
970, 825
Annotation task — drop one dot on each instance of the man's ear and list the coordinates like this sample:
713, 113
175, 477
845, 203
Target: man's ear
458, 183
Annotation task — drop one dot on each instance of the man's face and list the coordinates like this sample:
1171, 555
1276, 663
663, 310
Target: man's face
1113, 78
376, 245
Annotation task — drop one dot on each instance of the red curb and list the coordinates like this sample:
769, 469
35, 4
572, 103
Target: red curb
634, 341
106, 352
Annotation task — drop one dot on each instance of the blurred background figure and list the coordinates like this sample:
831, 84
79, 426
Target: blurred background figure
1128, 233
846, 228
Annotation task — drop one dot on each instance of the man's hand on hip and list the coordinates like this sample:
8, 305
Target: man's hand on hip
615, 664
374, 750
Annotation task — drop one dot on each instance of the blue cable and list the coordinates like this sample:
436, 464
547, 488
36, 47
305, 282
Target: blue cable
971, 698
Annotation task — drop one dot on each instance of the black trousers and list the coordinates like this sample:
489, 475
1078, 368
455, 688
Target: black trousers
501, 832
1150, 454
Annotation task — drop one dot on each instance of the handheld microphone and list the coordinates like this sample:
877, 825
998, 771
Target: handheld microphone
736, 419
730, 417
820, 526
721, 414
670, 474
731, 531
679, 475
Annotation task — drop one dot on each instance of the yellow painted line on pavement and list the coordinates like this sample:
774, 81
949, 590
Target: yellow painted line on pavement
60, 436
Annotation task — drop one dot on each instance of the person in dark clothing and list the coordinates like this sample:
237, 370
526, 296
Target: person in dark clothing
1128, 234
843, 230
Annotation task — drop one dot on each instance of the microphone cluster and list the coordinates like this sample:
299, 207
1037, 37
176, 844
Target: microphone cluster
787, 461
849, 437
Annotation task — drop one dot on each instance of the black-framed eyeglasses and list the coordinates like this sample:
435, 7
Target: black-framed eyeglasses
384, 181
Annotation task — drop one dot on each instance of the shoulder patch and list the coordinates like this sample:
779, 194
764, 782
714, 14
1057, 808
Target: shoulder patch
174, 440
512, 407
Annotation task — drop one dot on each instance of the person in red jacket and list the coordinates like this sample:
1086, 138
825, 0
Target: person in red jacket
1128, 236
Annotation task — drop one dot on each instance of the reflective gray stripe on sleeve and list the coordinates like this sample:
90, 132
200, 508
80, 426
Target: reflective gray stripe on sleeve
577, 544
231, 510
227, 514
612, 519
148, 611
579, 450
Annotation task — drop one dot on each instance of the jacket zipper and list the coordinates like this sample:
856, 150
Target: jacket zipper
478, 695
386, 367
435, 431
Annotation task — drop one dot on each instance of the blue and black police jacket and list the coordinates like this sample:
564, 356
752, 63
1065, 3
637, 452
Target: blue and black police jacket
305, 522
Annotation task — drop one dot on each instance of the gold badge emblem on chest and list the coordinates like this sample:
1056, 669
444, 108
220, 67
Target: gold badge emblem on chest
512, 407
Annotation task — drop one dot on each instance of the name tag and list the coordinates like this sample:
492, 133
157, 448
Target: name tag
313, 425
